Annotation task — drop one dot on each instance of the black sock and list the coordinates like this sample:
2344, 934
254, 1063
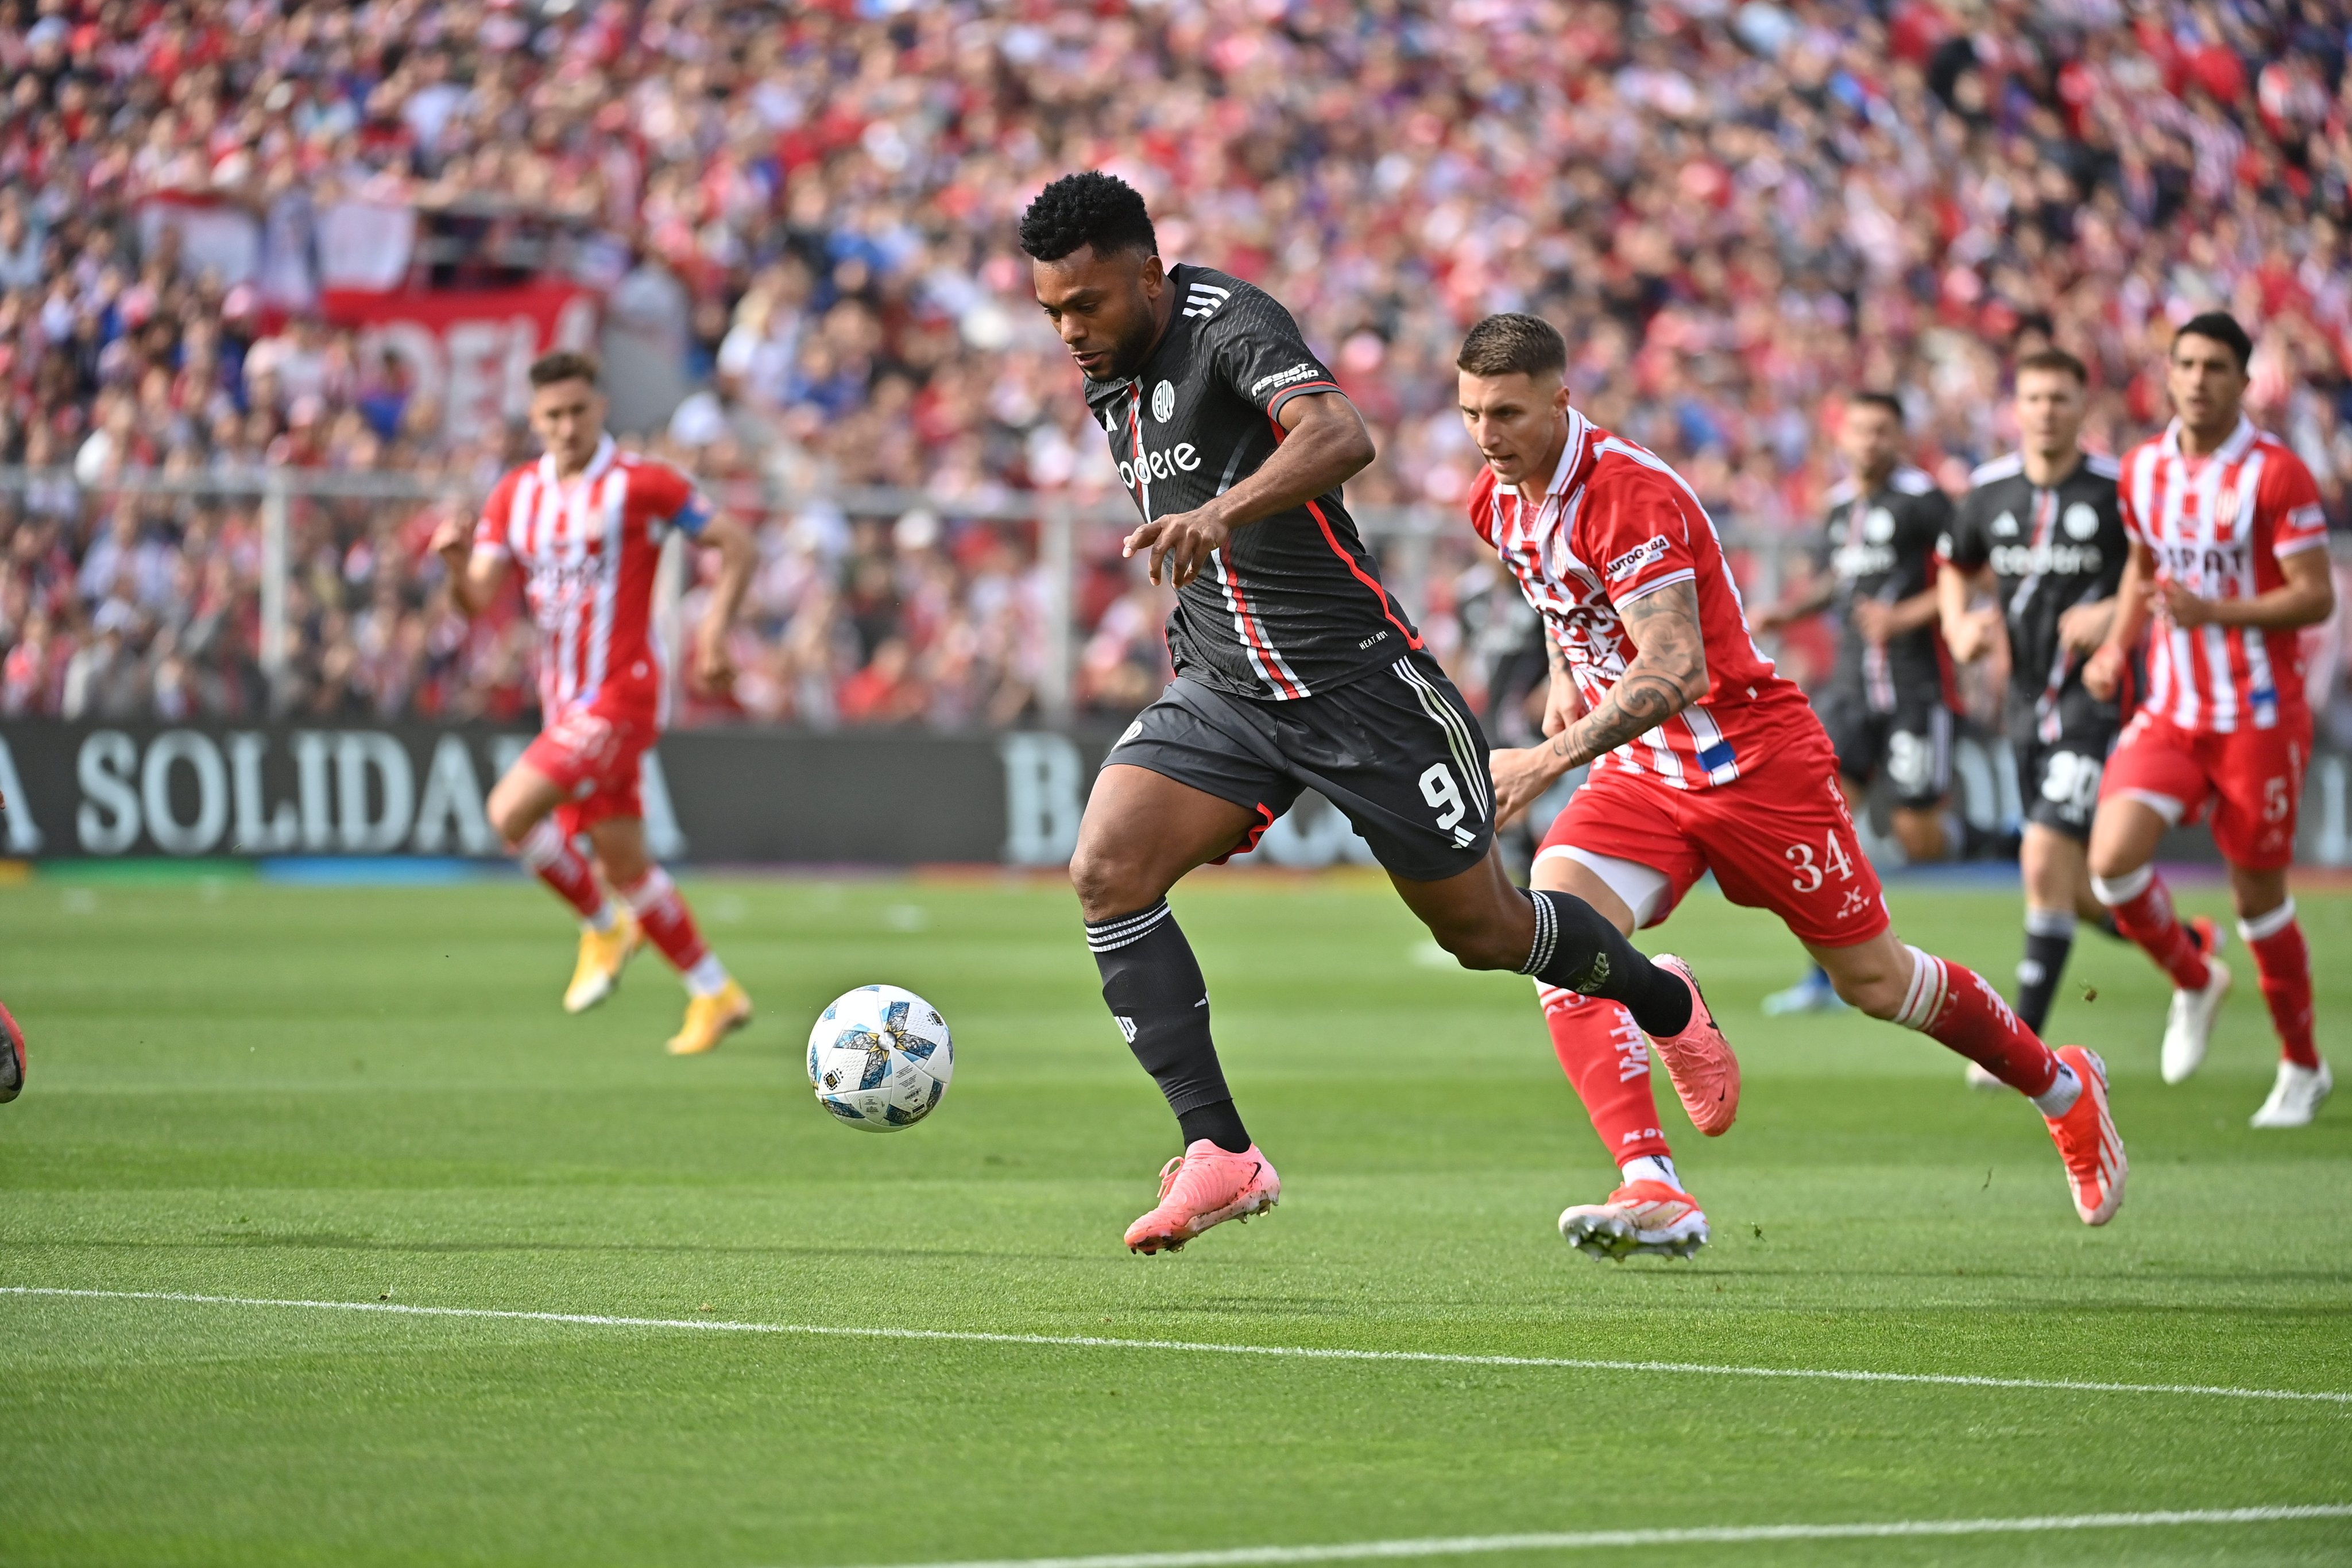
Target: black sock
2048, 938
1579, 951
1152, 985
1220, 1123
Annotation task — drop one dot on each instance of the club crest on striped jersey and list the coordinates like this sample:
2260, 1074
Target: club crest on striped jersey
1163, 402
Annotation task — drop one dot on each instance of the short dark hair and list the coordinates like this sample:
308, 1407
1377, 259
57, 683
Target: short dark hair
2058, 361
2222, 327
564, 365
1873, 399
1513, 344
1087, 208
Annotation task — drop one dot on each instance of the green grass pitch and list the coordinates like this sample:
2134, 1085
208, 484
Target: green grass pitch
347, 1095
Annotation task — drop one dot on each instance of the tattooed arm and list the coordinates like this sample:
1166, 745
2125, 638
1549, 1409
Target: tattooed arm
1669, 673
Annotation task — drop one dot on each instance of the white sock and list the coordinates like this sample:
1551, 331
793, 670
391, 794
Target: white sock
2059, 1098
1651, 1167
601, 921
708, 978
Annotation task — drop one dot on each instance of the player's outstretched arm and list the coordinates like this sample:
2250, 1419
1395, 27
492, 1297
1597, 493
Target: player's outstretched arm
1967, 633
2103, 675
474, 575
1326, 444
1812, 598
738, 555
2307, 598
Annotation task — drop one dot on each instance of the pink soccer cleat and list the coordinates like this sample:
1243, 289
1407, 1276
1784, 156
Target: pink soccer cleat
1642, 1218
1699, 1059
2088, 1142
1203, 1186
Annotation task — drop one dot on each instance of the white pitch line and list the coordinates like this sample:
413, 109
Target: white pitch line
1205, 1347
1728, 1534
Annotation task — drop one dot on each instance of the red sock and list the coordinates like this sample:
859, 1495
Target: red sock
667, 923
1955, 1007
2144, 913
551, 859
2283, 962
1608, 1063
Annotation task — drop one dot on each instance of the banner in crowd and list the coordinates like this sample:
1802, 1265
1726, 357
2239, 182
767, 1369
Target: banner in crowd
468, 350
742, 796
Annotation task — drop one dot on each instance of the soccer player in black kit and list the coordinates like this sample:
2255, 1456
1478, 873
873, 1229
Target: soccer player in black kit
1295, 669
2040, 530
1884, 704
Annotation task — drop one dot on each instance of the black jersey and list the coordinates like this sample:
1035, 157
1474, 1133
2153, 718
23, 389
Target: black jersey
1882, 546
1293, 603
2050, 550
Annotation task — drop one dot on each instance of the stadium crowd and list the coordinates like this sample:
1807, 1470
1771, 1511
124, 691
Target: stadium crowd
1737, 211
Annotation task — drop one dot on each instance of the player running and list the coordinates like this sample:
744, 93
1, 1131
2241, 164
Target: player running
1703, 760
2040, 531
2228, 560
1295, 669
1884, 704
586, 523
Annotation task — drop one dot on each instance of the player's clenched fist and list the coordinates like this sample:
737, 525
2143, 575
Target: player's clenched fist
1185, 542
453, 541
2104, 672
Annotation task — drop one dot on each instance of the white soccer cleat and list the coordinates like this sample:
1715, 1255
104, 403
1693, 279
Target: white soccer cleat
2188, 1027
1980, 1077
2295, 1097
1642, 1217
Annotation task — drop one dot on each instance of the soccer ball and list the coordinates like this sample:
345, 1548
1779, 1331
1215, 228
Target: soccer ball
881, 1057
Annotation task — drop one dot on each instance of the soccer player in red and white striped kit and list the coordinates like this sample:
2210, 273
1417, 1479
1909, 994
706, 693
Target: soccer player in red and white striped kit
1703, 758
586, 524
2229, 562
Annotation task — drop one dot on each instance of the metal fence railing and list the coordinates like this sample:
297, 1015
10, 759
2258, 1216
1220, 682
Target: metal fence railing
266, 506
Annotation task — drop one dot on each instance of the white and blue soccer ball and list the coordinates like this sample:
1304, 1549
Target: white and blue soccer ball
881, 1057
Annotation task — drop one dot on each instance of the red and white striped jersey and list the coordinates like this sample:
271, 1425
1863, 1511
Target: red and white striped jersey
1617, 524
588, 550
2219, 527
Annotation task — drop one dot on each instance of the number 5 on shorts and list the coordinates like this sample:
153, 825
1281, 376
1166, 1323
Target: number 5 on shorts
1438, 788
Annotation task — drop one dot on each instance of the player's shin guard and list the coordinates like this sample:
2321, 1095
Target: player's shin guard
1152, 985
2049, 939
1577, 950
2283, 963
1607, 1060
549, 857
1958, 1007
2143, 908
669, 924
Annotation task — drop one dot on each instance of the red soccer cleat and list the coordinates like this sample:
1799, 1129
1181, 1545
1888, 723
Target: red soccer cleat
1699, 1059
2087, 1141
1203, 1186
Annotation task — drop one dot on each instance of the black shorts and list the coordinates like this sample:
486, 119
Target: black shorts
1912, 744
1396, 752
2059, 779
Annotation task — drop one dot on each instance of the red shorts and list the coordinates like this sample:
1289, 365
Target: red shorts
2250, 778
1778, 839
593, 758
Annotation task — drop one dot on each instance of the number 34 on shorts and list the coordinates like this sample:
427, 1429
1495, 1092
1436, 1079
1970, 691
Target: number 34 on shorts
1810, 874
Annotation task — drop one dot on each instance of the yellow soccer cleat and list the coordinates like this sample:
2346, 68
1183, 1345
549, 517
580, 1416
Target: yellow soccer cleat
603, 956
709, 1020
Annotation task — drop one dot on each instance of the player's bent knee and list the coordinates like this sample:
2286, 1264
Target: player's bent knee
1871, 983
1109, 884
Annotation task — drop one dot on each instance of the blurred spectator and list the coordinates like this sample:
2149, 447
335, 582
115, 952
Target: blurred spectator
802, 216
